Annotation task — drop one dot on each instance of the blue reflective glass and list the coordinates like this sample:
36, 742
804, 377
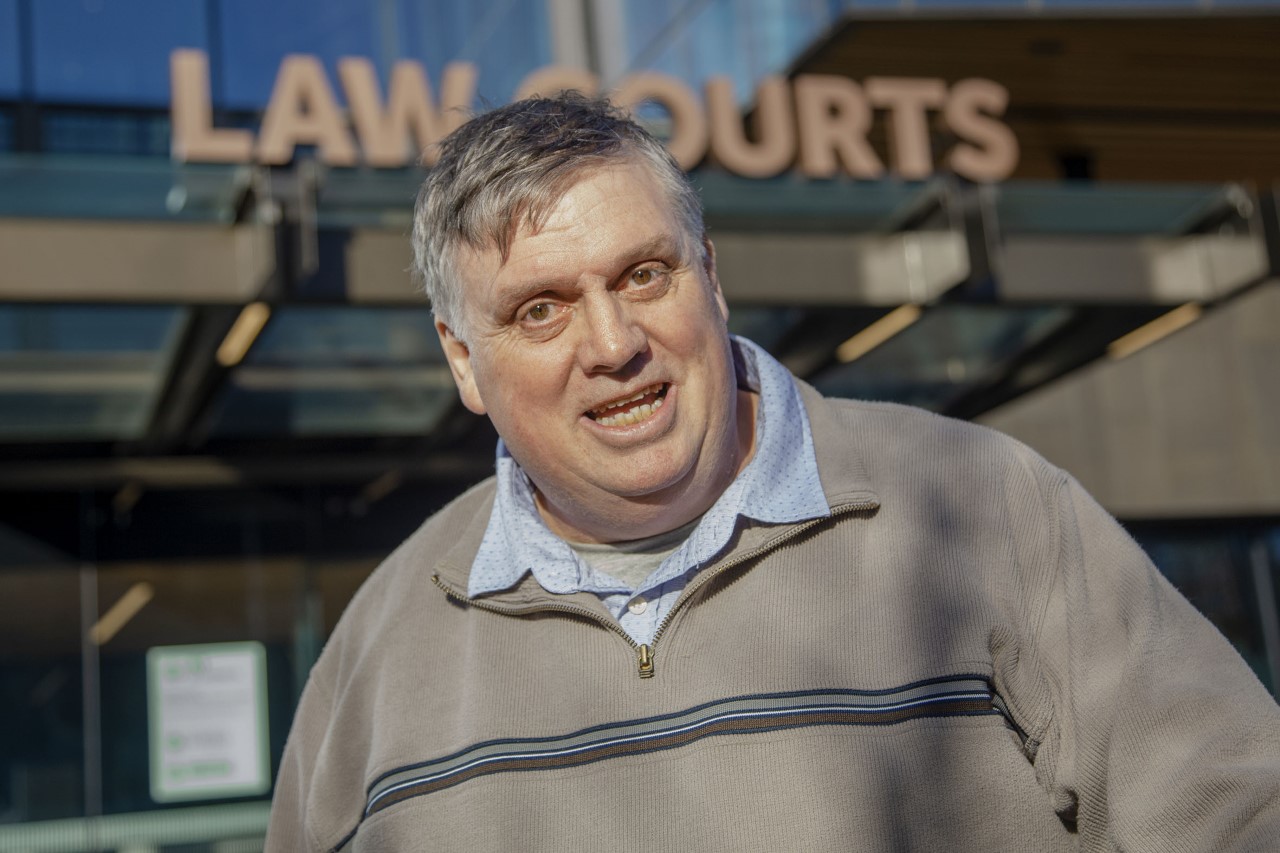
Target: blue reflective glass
1126, 4
1213, 569
135, 134
42, 769
791, 203
950, 350
507, 40
84, 328
321, 371
1033, 207
82, 372
10, 58
256, 36
304, 336
741, 39
96, 51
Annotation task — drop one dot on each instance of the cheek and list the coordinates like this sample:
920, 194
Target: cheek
520, 390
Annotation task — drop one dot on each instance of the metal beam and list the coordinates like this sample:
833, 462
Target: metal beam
51, 260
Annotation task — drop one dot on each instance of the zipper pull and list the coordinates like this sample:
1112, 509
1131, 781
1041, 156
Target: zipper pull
646, 662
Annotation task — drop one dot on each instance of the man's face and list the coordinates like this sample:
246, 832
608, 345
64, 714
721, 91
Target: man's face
599, 350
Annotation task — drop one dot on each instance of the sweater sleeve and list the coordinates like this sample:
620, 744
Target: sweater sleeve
1161, 739
293, 824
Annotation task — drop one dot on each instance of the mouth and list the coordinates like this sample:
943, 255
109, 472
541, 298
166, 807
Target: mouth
632, 410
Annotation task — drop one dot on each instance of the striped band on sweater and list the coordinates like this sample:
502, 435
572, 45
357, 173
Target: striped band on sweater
951, 696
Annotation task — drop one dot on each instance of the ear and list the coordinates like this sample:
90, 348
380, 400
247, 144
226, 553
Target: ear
459, 358
709, 267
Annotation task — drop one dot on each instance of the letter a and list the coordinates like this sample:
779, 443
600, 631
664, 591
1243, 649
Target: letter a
302, 111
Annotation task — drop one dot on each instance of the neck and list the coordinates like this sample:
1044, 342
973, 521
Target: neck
624, 518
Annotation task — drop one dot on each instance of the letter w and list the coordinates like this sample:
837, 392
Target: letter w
384, 134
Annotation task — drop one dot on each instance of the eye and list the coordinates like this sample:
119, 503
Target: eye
649, 277
539, 313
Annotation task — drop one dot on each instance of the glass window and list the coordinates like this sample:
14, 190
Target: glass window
82, 372
115, 188
41, 682
189, 602
10, 55
743, 39
8, 130
505, 39
81, 132
1028, 207
256, 36
95, 51
951, 349
1215, 570
339, 371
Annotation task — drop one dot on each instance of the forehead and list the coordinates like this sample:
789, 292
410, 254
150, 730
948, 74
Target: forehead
595, 220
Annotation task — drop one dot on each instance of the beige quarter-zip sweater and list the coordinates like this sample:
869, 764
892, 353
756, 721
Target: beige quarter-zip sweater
968, 655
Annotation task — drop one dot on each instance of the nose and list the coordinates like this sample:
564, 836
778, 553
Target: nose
612, 337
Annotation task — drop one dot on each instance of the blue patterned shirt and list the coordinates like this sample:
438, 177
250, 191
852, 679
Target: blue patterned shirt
780, 485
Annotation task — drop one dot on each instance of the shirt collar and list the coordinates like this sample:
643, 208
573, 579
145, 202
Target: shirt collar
780, 485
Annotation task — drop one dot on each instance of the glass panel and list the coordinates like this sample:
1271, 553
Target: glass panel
10, 57
112, 188
328, 337
743, 39
764, 326
505, 39
792, 203
41, 682
132, 134
97, 52
82, 373
1213, 570
255, 36
1126, 4
8, 130
379, 198
175, 568
191, 602
950, 349
340, 371
1114, 209
977, 4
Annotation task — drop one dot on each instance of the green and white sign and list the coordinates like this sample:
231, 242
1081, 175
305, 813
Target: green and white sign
208, 721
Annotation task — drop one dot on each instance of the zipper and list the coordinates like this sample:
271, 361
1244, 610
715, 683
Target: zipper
645, 651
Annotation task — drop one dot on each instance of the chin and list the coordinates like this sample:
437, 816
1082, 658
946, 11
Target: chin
652, 486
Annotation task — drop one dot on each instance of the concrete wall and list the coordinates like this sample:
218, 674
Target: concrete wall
1189, 427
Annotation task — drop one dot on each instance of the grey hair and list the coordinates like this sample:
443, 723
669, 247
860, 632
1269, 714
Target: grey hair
509, 167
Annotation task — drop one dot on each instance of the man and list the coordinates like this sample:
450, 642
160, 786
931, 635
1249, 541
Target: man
701, 607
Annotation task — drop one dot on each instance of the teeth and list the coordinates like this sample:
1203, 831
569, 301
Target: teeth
631, 416
652, 389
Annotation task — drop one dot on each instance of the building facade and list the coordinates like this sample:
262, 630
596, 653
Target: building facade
222, 400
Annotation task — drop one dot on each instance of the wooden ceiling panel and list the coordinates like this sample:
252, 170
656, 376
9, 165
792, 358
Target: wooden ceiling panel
1144, 98
1188, 63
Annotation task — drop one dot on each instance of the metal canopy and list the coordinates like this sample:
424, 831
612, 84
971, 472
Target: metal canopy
110, 327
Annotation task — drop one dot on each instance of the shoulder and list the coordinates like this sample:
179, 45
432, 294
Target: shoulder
960, 481
402, 583
895, 440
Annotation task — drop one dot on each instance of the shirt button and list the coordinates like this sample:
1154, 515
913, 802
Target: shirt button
638, 605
